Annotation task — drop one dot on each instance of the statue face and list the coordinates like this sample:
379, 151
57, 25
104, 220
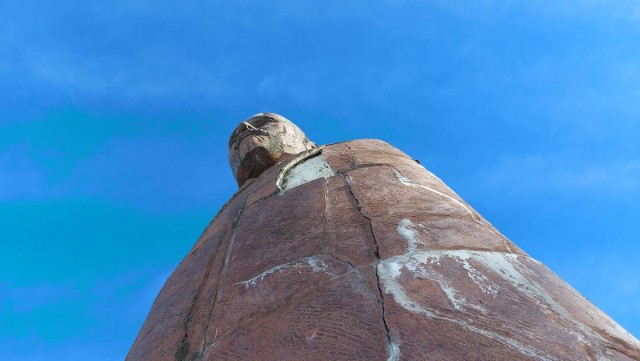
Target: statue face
260, 142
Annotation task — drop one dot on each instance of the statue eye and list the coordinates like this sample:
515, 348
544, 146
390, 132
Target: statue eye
261, 122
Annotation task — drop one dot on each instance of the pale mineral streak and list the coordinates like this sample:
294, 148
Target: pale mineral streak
500, 264
312, 261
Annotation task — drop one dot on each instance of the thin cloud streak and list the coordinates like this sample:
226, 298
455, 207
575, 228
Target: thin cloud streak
537, 175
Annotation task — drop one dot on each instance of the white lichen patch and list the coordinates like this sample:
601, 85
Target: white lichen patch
456, 300
481, 267
252, 282
416, 265
394, 269
393, 351
316, 264
476, 218
406, 230
408, 182
404, 180
483, 282
312, 262
393, 287
307, 170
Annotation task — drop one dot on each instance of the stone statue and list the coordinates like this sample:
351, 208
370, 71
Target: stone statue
260, 141
354, 251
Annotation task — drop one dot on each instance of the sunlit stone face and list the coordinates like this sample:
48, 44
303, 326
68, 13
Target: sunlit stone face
260, 142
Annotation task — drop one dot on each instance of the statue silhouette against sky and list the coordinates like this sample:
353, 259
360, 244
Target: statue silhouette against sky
354, 251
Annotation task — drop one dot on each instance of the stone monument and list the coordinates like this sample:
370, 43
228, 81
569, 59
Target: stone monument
354, 251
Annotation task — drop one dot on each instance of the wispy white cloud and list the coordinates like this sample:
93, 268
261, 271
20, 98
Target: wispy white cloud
549, 8
539, 175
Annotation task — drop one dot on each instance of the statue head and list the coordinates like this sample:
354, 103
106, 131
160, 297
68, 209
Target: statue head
261, 142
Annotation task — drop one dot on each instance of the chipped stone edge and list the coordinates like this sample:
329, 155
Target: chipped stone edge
280, 181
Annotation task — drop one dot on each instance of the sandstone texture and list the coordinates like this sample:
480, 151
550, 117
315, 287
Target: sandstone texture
354, 251
261, 141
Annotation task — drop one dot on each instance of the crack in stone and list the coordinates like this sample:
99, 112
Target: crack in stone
351, 265
234, 227
292, 263
326, 216
500, 263
287, 301
279, 191
393, 351
310, 260
183, 348
474, 215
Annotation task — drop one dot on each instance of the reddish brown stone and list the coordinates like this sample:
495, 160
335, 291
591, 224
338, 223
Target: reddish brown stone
373, 258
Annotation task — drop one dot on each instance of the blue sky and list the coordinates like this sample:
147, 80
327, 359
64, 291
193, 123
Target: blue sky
114, 118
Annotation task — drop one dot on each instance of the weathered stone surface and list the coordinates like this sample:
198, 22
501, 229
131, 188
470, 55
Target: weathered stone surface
354, 251
260, 142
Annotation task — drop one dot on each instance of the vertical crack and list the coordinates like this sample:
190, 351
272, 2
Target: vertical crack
234, 226
392, 349
326, 215
183, 349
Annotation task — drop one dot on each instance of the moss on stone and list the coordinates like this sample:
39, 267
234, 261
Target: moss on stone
182, 351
